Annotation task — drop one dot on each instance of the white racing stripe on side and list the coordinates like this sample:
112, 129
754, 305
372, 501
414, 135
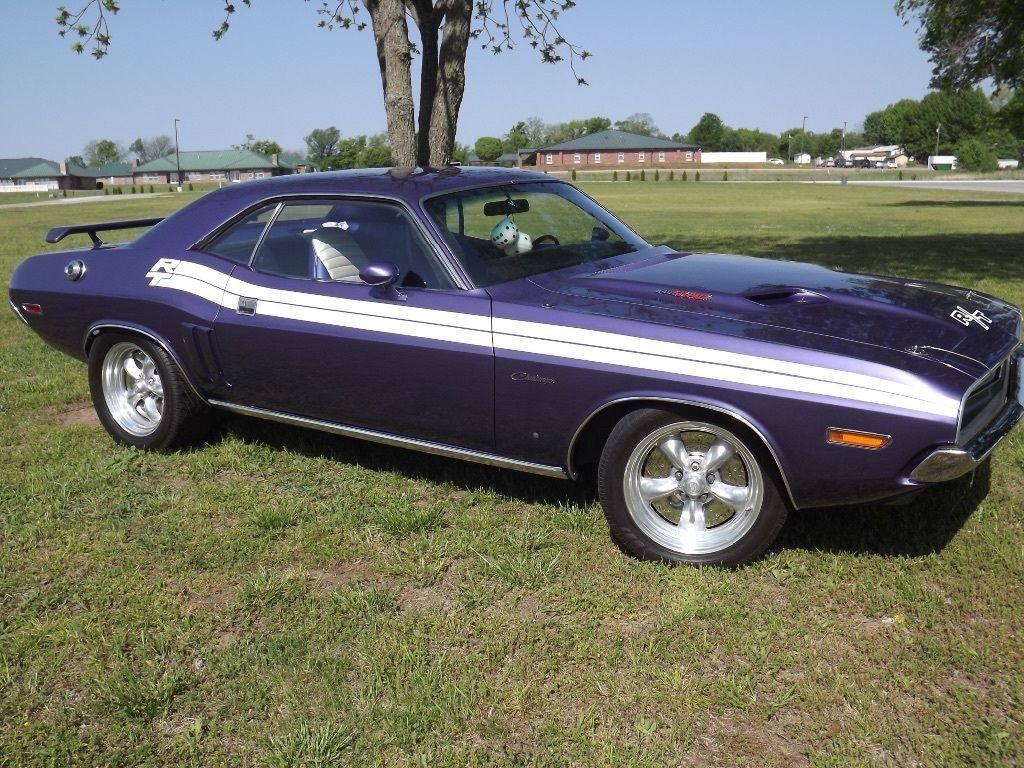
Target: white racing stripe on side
715, 365
412, 328
416, 322
569, 343
207, 285
390, 310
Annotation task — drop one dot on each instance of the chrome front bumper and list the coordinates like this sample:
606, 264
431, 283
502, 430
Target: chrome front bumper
951, 461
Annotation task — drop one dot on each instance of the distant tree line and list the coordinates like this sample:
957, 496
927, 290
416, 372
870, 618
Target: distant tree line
710, 133
967, 124
974, 127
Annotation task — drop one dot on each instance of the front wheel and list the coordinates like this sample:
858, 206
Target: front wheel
141, 396
687, 491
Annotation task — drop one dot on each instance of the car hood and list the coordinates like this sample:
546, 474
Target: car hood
800, 304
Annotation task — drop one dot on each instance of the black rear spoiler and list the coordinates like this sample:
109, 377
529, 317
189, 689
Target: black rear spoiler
57, 234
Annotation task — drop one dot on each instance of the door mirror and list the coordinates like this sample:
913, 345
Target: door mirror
383, 276
380, 273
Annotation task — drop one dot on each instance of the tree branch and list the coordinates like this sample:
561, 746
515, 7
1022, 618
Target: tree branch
98, 34
538, 22
229, 8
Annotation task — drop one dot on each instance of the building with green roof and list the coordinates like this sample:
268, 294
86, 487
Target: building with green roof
32, 172
212, 166
35, 173
612, 148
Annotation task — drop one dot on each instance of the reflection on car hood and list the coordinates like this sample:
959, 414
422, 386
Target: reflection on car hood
797, 304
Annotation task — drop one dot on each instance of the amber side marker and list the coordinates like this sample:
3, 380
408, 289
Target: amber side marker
855, 439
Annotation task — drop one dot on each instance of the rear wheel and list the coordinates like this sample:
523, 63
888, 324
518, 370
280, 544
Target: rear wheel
141, 396
687, 490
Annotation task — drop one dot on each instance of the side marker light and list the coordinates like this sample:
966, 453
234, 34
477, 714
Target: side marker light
854, 439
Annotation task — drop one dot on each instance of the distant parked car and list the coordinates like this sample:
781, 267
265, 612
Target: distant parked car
776, 161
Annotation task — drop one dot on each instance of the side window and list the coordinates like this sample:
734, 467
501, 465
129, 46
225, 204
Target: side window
237, 243
287, 249
333, 240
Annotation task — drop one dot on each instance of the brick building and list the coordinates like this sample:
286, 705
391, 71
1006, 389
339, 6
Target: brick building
212, 166
617, 148
36, 173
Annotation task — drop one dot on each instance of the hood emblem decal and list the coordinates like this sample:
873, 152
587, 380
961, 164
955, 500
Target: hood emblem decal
965, 318
680, 294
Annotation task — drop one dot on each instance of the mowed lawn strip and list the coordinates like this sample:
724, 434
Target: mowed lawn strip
285, 598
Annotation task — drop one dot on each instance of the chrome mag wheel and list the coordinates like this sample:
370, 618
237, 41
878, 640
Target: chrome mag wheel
132, 389
693, 488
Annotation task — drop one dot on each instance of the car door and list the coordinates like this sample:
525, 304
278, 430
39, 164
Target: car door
301, 334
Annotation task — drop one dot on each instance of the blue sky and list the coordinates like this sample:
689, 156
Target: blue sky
276, 75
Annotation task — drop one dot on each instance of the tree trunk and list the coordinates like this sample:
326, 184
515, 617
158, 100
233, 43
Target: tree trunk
428, 21
391, 34
450, 83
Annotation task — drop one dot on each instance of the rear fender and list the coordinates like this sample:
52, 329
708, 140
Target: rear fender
103, 326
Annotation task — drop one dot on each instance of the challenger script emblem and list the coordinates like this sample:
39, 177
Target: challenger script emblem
965, 318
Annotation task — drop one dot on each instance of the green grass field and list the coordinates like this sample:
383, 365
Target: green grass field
284, 598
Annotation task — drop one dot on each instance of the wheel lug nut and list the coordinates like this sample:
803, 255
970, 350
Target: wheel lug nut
695, 466
679, 475
711, 478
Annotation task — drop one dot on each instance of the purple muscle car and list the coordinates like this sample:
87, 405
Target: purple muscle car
505, 317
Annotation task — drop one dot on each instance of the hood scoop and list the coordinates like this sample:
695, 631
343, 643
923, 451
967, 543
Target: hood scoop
778, 296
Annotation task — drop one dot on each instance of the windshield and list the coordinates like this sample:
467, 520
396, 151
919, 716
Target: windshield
512, 231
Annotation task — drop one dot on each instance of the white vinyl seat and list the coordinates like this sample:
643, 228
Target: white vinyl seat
338, 253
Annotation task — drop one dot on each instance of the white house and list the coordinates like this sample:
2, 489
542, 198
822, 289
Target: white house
881, 153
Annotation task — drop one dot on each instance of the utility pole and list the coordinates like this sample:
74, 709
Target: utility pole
177, 155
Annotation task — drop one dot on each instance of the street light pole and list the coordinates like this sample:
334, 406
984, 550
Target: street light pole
177, 154
938, 128
844, 138
803, 132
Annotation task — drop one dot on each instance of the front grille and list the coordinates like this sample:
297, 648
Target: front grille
986, 400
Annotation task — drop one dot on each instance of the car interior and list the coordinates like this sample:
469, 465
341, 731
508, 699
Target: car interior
334, 241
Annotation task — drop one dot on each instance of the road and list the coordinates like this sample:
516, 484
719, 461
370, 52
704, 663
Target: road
76, 200
993, 185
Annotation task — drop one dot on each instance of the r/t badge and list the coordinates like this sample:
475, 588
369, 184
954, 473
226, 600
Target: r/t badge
965, 318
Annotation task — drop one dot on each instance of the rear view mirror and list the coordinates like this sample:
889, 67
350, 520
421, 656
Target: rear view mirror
506, 207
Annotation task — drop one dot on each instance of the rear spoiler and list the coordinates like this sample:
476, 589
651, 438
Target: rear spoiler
57, 234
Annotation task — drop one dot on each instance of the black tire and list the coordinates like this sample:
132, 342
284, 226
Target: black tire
658, 465
156, 410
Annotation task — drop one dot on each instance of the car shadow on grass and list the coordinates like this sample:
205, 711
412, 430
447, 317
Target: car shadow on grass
923, 526
960, 203
960, 257
414, 465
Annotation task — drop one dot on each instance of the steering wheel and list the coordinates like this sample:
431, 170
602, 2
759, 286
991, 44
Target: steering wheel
542, 238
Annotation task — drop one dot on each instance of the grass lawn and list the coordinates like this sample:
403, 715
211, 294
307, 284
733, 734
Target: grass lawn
284, 598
